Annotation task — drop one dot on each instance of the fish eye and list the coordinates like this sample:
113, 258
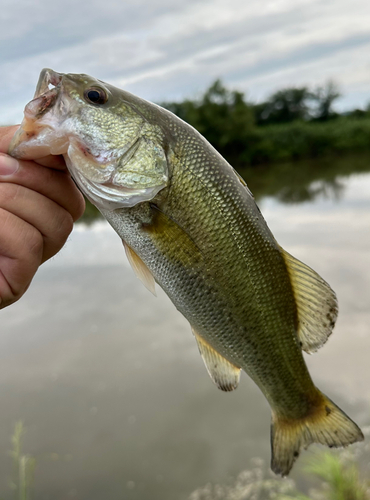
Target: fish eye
96, 95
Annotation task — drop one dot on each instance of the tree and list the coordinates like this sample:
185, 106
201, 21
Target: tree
285, 106
224, 118
325, 96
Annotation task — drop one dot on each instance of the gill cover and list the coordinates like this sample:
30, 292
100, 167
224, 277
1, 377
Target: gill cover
137, 176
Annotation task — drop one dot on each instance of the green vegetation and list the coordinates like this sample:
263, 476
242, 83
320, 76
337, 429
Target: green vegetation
304, 180
331, 476
91, 213
342, 481
336, 475
24, 466
293, 123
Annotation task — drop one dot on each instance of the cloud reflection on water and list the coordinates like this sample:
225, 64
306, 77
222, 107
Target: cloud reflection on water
105, 373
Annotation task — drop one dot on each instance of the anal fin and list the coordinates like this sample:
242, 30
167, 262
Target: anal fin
223, 373
141, 270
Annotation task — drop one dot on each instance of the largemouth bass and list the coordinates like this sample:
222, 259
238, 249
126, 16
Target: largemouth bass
189, 223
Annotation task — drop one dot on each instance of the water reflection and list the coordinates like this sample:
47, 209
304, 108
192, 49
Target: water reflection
292, 182
108, 378
305, 180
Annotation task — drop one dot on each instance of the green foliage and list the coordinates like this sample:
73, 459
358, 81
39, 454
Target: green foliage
339, 480
222, 116
325, 96
342, 481
298, 103
90, 214
297, 123
298, 140
24, 466
284, 106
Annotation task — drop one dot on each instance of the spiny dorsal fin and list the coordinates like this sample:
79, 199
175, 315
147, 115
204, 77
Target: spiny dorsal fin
316, 303
223, 373
243, 182
141, 270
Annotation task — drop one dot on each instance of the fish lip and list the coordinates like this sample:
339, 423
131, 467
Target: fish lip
44, 100
47, 77
46, 94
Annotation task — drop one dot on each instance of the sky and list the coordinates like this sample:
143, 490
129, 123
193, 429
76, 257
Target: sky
166, 50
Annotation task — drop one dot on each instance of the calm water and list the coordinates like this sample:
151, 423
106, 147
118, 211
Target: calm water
108, 379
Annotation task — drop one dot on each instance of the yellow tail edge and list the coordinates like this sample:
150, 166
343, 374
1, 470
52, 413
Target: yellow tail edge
326, 424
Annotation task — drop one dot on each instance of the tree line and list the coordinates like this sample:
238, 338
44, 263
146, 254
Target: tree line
293, 123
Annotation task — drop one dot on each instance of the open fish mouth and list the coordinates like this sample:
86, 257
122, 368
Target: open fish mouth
37, 137
46, 93
48, 80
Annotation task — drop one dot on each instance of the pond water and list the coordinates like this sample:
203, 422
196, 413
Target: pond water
108, 380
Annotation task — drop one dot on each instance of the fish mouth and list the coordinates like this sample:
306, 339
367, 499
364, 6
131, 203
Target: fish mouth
48, 80
46, 93
35, 138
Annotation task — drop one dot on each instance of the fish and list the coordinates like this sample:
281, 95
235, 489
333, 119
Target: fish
190, 224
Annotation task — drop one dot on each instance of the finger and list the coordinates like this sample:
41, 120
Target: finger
6, 135
52, 161
21, 247
50, 219
54, 184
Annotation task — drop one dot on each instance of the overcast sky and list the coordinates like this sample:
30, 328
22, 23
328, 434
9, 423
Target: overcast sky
167, 49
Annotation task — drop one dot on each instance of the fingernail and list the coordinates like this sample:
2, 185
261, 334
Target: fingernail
8, 165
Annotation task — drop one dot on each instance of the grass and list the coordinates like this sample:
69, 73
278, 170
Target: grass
338, 481
336, 475
23, 465
341, 480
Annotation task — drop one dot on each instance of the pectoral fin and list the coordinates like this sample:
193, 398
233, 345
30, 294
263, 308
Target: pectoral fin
140, 269
223, 373
317, 305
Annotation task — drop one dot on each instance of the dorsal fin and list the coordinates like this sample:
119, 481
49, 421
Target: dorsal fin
317, 304
242, 181
223, 373
140, 269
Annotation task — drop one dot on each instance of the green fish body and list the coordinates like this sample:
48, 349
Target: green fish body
190, 224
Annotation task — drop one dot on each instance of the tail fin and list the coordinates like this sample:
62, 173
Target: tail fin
327, 424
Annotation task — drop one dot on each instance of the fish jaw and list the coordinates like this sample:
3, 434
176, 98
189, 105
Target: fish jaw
48, 78
59, 121
41, 132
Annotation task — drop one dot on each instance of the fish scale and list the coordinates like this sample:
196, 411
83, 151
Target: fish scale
190, 224
241, 239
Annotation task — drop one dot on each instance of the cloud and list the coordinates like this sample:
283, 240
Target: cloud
166, 50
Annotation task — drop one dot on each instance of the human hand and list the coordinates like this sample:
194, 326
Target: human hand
38, 204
